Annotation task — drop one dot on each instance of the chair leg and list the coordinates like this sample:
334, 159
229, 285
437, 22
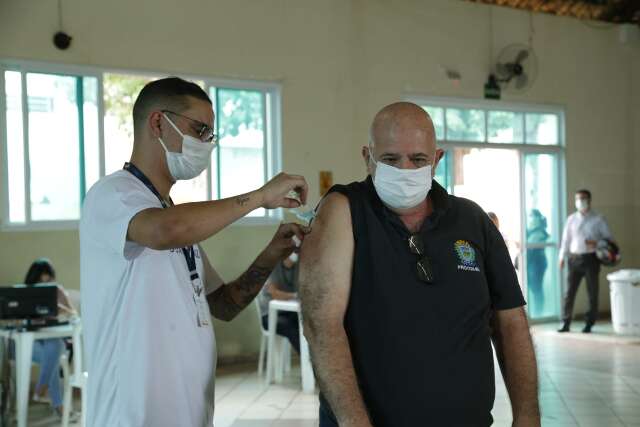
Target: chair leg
287, 359
263, 349
67, 402
281, 359
83, 397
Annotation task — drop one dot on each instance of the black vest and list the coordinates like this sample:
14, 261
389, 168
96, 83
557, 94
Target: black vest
422, 352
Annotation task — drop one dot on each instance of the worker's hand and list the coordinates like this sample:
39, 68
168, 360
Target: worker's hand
287, 239
279, 192
561, 264
591, 244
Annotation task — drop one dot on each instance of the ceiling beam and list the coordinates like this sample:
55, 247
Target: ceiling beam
616, 11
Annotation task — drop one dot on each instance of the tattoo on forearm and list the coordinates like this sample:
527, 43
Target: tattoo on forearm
242, 200
231, 299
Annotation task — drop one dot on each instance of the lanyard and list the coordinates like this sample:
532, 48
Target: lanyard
189, 253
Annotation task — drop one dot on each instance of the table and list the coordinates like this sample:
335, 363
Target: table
308, 379
24, 350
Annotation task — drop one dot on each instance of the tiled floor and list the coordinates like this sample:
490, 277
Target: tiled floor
584, 381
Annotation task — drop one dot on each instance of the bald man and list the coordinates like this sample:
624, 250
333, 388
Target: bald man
403, 288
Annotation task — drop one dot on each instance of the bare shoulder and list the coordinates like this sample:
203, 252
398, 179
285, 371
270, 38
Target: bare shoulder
334, 211
330, 242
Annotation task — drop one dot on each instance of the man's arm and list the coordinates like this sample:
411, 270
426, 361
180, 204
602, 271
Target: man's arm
564, 246
190, 223
326, 264
514, 350
228, 300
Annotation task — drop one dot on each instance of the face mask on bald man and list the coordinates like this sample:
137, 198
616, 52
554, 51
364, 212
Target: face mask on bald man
401, 188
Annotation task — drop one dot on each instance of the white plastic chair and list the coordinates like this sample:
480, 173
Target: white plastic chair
283, 358
264, 337
75, 379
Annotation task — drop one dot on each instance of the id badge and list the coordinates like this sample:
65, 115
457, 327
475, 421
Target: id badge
201, 303
202, 312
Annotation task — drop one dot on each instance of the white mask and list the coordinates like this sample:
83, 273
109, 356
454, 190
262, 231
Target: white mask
401, 188
195, 156
582, 205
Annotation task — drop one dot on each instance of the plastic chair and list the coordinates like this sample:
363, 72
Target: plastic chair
283, 356
264, 337
75, 379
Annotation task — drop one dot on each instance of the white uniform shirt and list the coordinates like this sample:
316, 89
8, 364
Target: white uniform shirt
148, 362
580, 228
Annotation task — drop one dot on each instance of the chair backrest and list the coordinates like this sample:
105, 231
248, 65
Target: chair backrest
259, 313
74, 299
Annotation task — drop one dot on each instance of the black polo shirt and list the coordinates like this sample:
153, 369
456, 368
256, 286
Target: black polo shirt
422, 352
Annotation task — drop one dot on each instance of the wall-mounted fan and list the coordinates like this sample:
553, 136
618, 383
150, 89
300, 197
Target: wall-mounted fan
516, 68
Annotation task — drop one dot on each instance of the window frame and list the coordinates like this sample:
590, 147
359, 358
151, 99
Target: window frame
524, 149
272, 96
496, 106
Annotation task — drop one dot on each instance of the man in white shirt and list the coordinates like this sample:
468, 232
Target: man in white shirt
583, 230
148, 289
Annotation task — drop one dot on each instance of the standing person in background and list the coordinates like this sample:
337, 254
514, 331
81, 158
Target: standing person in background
536, 260
583, 230
494, 219
47, 352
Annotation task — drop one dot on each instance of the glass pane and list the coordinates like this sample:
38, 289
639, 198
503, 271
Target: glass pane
495, 189
541, 198
542, 129
91, 131
215, 194
193, 190
15, 146
543, 282
215, 155
506, 127
242, 142
120, 92
542, 228
53, 147
437, 116
465, 125
442, 171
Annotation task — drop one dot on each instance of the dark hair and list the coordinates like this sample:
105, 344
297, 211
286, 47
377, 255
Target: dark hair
37, 269
538, 214
585, 192
170, 93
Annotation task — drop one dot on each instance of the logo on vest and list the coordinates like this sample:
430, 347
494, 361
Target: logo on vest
466, 256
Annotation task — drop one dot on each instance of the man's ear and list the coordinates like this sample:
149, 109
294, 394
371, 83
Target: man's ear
366, 156
155, 124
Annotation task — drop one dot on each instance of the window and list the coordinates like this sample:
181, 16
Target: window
460, 121
508, 158
64, 129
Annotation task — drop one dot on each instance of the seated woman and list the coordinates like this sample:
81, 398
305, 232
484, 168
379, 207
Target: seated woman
47, 352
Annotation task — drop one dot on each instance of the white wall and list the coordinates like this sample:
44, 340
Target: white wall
340, 61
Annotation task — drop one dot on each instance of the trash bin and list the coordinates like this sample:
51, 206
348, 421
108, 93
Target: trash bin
625, 301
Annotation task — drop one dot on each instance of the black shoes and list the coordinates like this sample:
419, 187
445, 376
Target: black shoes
587, 329
565, 327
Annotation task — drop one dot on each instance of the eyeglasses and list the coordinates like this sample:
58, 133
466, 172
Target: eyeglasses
423, 267
204, 131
